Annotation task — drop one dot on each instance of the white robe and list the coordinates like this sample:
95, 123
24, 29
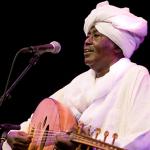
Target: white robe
118, 102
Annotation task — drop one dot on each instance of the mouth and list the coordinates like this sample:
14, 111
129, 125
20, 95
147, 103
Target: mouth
87, 50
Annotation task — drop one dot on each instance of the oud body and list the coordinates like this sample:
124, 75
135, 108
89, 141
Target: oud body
49, 118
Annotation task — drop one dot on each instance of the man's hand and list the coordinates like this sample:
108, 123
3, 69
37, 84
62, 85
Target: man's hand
18, 140
64, 143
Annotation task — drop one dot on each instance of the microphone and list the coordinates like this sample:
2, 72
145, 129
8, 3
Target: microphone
53, 47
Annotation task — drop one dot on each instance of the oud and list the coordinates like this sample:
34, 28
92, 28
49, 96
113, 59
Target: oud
52, 119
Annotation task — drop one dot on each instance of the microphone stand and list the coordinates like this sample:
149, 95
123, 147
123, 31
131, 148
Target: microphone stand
4, 128
32, 62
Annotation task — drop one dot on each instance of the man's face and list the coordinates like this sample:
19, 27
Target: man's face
98, 50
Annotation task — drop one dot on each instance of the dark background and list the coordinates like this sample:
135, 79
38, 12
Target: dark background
27, 23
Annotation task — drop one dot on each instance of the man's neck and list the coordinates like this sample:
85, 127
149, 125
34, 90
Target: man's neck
105, 69
101, 73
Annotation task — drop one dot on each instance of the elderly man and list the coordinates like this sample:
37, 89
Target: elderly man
114, 94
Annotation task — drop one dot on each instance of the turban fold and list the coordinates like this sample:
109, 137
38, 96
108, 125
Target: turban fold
124, 28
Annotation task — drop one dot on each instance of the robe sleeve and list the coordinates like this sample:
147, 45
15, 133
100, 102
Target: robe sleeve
138, 111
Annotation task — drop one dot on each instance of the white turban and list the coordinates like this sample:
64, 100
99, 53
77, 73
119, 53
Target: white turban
124, 28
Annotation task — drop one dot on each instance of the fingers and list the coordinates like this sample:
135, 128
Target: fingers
64, 146
19, 146
18, 140
64, 142
65, 139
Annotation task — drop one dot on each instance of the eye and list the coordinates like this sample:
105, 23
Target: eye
96, 34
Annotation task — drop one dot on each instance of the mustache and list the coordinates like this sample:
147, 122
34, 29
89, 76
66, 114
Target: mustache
89, 48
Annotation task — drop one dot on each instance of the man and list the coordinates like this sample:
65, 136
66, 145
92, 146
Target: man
114, 94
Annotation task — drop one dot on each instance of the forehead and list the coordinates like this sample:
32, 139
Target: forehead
94, 30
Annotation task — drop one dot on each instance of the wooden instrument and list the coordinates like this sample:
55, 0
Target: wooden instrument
52, 119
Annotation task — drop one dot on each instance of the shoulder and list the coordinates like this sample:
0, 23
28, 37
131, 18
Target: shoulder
137, 73
139, 69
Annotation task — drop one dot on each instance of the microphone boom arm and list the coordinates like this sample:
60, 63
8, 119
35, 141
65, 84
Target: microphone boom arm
32, 62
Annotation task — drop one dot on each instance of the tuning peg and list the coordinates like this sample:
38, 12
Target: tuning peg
89, 130
105, 135
80, 127
98, 131
79, 130
115, 136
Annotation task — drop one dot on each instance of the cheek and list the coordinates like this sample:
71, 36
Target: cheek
104, 44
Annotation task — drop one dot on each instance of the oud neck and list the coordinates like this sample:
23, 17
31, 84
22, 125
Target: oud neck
78, 138
83, 139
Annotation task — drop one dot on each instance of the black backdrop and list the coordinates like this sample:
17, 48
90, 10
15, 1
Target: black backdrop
27, 23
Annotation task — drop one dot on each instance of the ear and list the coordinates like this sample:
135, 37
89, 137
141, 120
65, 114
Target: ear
118, 51
116, 48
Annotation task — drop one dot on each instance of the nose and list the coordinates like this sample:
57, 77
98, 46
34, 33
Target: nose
89, 40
